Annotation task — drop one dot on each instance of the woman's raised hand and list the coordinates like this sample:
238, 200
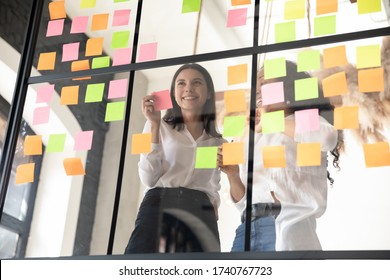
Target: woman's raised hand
148, 110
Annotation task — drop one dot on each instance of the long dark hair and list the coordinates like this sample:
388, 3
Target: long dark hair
174, 116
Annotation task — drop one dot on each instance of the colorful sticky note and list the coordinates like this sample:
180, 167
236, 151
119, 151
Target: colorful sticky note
25, 173
41, 115
85, 4
335, 56
325, 25
307, 120
94, 46
272, 93
33, 145
377, 154
240, 2
369, 6
306, 89
80, 65
47, 61
99, 22
79, 24
274, 156
233, 153
70, 95
273, 122
45, 94
101, 62
368, 56
237, 74
326, 6
309, 154
118, 88
191, 6
115, 111
120, 39
309, 60
73, 166
371, 80
237, 17
83, 140
94, 93
294, 9
121, 57
55, 27
57, 10
70, 52
234, 126
235, 101
56, 143
121, 17
285, 32
274, 68
206, 157
147, 52
141, 143
346, 117
162, 100
335, 84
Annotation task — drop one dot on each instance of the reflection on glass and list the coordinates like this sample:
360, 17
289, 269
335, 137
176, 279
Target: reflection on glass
9, 241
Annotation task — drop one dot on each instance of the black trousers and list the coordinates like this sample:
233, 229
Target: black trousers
149, 225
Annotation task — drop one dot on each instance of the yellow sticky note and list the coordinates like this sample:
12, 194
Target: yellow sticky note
235, 101
70, 95
326, 6
33, 145
377, 155
233, 153
368, 56
346, 117
94, 46
309, 154
99, 22
371, 80
335, 84
294, 9
237, 74
369, 6
73, 166
274, 156
57, 10
25, 173
46, 61
335, 56
240, 2
141, 143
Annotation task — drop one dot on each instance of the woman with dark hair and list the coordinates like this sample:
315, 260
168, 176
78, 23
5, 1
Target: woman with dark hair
168, 171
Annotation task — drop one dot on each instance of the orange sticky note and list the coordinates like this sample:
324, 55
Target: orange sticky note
233, 153
46, 61
377, 155
235, 101
309, 154
94, 46
80, 65
240, 2
274, 156
33, 145
237, 74
335, 84
57, 10
326, 6
371, 80
99, 22
335, 56
73, 166
141, 143
25, 173
346, 117
70, 95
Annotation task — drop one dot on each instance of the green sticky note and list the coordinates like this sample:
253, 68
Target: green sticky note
100, 62
115, 111
206, 157
309, 60
94, 93
56, 143
368, 56
190, 6
272, 122
325, 25
306, 89
294, 9
120, 39
84, 4
274, 68
369, 6
234, 126
285, 32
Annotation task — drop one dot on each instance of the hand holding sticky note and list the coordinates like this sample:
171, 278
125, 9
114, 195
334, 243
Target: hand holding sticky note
162, 100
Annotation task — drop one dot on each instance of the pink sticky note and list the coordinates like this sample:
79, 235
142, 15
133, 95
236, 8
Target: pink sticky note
70, 52
121, 17
55, 27
83, 140
122, 56
307, 120
117, 88
45, 93
272, 93
79, 24
163, 100
237, 17
41, 115
147, 52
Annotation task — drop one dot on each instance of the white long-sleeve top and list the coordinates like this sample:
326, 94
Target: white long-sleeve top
171, 163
